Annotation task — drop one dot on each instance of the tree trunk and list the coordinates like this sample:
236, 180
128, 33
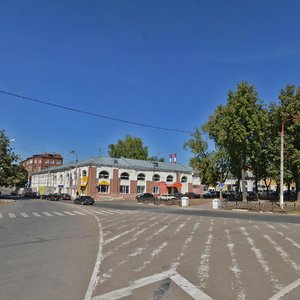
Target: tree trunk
298, 186
243, 185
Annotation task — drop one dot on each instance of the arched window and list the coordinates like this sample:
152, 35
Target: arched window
156, 177
103, 175
170, 178
183, 179
61, 179
141, 177
124, 176
84, 173
54, 179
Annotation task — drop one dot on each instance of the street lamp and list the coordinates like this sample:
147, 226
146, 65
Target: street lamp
282, 156
76, 182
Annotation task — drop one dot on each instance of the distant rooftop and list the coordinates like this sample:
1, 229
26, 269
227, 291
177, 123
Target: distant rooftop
126, 163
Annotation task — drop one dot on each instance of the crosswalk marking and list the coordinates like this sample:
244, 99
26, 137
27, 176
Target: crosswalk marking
78, 212
69, 213
58, 213
47, 214
36, 214
24, 215
103, 212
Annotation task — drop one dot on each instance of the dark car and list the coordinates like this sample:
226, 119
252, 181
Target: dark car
65, 196
179, 195
191, 195
144, 197
84, 200
210, 194
52, 197
251, 196
235, 197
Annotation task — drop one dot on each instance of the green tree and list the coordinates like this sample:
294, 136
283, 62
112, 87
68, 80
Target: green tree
236, 128
129, 147
11, 174
213, 167
289, 112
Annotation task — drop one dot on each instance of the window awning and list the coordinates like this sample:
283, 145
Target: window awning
175, 184
103, 183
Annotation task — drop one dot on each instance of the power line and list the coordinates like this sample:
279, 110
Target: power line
91, 114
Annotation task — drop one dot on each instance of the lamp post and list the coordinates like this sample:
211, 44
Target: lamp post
76, 163
282, 156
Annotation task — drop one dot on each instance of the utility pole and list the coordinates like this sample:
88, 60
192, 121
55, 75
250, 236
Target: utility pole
76, 165
282, 156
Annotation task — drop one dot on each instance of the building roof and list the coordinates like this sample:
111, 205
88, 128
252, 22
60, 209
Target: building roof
44, 155
125, 163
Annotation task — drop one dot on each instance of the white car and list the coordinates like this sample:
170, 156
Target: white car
167, 197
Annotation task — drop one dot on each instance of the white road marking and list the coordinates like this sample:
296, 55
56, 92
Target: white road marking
36, 214
285, 237
58, 213
47, 214
286, 290
235, 268
95, 276
118, 236
78, 212
106, 211
12, 215
284, 255
69, 213
183, 283
153, 254
203, 267
276, 286
24, 215
189, 288
176, 262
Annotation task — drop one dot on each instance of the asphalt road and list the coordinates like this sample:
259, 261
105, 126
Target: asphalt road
47, 251
122, 250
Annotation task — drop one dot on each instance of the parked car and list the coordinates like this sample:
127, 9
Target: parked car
179, 195
191, 195
55, 197
210, 194
65, 196
144, 197
251, 196
290, 195
235, 197
167, 197
84, 200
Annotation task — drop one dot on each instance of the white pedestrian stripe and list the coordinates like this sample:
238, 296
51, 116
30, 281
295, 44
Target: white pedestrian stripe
12, 215
69, 213
47, 214
58, 213
260, 259
24, 215
36, 214
241, 295
182, 282
78, 212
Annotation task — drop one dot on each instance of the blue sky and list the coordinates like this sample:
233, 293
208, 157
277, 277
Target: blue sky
162, 63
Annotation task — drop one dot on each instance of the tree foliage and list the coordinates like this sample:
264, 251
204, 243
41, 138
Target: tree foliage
248, 134
11, 174
129, 147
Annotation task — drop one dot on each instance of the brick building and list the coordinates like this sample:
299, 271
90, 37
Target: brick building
109, 177
39, 162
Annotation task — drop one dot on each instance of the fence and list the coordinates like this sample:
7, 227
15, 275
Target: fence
261, 206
